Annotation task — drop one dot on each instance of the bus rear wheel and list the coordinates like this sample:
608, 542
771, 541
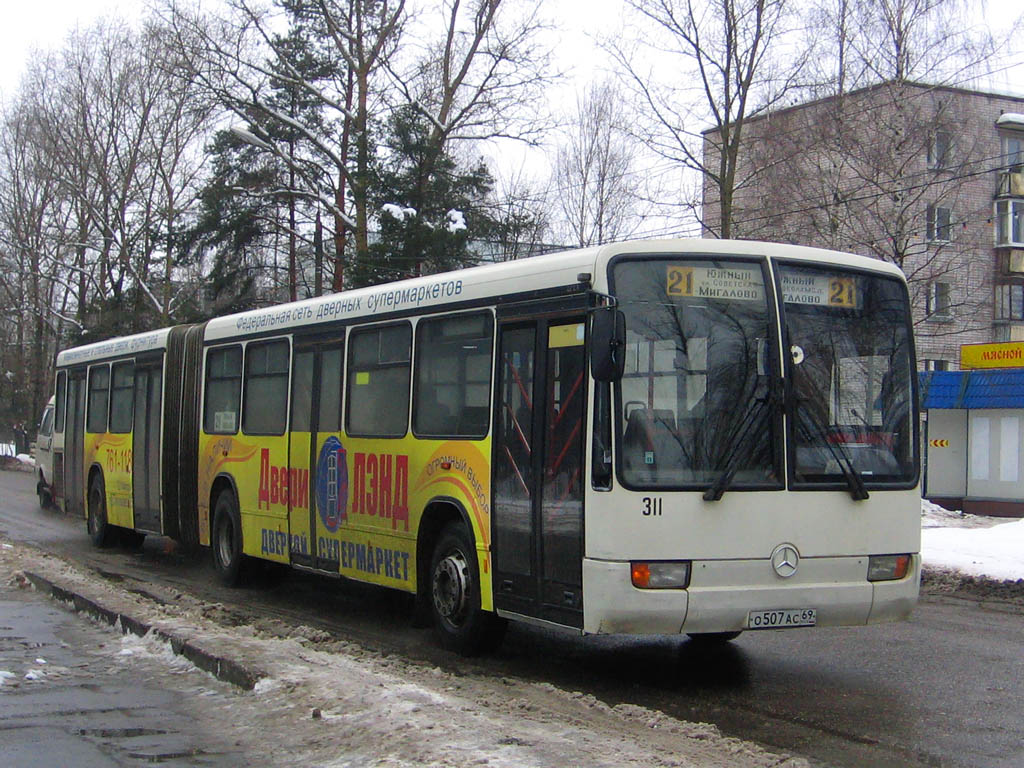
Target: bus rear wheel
460, 624
97, 525
227, 540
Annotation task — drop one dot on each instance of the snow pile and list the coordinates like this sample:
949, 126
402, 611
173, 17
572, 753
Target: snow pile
972, 544
455, 220
997, 552
934, 516
397, 212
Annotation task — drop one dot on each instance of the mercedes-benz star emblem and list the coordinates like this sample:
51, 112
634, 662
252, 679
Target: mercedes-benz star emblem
785, 560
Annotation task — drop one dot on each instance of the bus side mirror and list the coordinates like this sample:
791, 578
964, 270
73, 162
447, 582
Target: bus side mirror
608, 344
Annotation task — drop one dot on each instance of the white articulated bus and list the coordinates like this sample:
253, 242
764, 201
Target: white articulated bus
658, 437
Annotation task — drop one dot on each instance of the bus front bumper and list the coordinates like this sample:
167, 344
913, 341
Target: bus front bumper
722, 595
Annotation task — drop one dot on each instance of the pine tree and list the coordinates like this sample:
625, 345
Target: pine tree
432, 212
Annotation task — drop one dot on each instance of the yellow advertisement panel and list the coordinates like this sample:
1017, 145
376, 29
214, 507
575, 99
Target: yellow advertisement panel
1008, 354
113, 454
368, 496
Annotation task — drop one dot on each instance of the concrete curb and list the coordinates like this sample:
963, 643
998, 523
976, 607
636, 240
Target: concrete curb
223, 668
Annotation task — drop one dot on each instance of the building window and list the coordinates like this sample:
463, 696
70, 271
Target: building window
938, 150
1002, 333
1013, 153
939, 228
936, 365
1009, 302
939, 300
1010, 222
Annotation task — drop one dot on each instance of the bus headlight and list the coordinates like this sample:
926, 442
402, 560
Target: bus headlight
666, 574
888, 567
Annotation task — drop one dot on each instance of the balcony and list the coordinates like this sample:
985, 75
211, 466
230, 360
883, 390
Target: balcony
1011, 184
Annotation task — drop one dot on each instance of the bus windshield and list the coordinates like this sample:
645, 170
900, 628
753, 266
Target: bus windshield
696, 394
851, 370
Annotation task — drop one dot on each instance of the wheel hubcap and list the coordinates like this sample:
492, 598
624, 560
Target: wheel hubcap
224, 544
94, 522
451, 587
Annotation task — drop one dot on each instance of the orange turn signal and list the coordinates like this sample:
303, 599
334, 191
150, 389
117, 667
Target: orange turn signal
660, 574
888, 567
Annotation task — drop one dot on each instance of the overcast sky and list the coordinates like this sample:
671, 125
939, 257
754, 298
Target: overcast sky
33, 24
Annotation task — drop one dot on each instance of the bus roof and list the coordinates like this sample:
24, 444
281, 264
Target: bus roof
475, 284
493, 281
117, 347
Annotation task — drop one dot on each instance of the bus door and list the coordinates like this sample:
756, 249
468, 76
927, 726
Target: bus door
317, 476
74, 445
146, 446
538, 468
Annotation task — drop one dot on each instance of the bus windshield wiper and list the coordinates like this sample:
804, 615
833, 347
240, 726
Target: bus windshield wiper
853, 479
748, 432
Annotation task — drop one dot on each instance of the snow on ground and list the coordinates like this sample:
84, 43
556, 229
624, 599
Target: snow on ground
333, 703
992, 547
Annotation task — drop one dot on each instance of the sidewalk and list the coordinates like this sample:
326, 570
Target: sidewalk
72, 695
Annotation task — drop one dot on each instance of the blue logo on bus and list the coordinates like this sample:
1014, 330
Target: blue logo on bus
332, 484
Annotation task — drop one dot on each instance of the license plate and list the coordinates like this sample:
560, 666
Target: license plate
782, 618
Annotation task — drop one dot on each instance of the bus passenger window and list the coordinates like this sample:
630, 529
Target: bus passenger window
302, 391
378, 381
58, 413
330, 390
223, 389
453, 376
99, 389
121, 395
265, 400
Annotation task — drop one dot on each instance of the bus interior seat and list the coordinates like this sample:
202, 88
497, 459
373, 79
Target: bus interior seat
650, 441
473, 420
665, 416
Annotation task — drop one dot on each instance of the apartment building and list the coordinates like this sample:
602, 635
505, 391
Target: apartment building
930, 178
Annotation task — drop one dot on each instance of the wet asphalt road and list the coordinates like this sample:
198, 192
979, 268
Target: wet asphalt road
71, 698
943, 689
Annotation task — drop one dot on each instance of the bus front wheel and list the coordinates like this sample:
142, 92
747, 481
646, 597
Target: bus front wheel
459, 622
97, 525
227, 540
44, 494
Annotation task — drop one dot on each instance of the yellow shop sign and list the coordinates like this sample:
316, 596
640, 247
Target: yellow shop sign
1008, 354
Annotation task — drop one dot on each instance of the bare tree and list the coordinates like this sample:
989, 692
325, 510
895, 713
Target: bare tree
243, 63
30, 208
594, 171
865, 42
717, 61
523, 210
481, 71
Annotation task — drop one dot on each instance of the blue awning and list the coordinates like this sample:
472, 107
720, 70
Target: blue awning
996, 388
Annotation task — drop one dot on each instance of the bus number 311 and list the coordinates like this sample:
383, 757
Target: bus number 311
652, 506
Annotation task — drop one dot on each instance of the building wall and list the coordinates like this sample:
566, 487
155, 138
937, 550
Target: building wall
854, 174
